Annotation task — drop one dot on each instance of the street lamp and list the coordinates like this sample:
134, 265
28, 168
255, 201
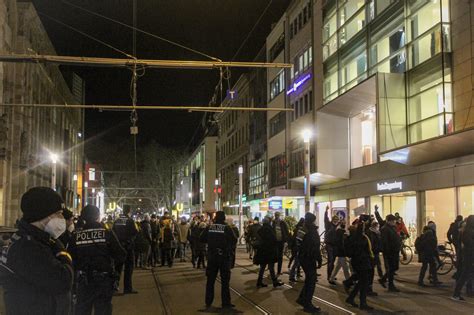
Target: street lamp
216, 190
307, 189
86, 184
241, 210
201, 197
190, 196
54, 160
74, 202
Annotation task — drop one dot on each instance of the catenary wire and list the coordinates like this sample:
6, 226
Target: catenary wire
140, 30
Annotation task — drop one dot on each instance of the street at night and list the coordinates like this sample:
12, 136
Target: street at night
236, 157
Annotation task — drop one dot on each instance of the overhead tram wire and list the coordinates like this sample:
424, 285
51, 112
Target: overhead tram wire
140, 30
86, 35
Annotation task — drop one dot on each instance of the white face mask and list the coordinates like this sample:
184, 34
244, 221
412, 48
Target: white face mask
70, 228
55, 227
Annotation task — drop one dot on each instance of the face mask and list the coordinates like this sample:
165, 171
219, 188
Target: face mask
55, 227
70, 228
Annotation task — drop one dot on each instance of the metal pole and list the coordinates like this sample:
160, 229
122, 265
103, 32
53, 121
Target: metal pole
307, 183
216, 188
53, 176
241, 210
201, 197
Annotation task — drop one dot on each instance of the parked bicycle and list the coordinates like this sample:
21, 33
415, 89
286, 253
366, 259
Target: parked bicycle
447, 258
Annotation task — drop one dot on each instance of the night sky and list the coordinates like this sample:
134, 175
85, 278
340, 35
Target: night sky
215, 27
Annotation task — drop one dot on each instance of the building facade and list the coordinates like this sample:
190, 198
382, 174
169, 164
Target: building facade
394, 120
30, 137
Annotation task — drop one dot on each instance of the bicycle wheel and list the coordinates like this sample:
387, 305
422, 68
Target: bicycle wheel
406, 255
324, 254
446, 264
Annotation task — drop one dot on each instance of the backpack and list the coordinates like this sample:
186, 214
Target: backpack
418, 244
348, 246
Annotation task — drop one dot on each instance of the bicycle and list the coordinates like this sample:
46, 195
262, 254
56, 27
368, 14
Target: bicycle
447, 259
406, 254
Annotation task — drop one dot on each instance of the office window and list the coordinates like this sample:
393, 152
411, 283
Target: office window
347, 8
277, 47
300, 21
352, 27
424, 18
353, 64
305, 15
277, 85
330, 81
277, 124
277, 170
306, 103
310, 100
297, 109
301, 106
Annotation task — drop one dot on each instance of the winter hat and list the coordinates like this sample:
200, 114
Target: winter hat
39, 203
309, 218
220, 216
90, 213
391, 217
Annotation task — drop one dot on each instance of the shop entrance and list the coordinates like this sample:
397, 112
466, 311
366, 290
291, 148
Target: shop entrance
403, 203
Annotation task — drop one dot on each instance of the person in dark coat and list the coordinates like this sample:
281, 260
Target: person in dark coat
146, 231
267, 253
282, 234
330, 227
426, 246
193, 238
95, 250
36, 270
253, 236
361, 261
155, 233
166, 243
467, 258
201, 247
454, 233
310, 258
235, 229
294, 245
391, 244
220, 239
376, 240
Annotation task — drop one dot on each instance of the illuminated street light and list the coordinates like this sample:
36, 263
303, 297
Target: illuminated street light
241, 193
307, 185
54, 160
74, 177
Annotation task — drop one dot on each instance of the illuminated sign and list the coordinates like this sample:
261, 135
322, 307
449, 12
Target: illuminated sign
275, 204
289, 203
296, 85
231, 94
389, 186
179, 206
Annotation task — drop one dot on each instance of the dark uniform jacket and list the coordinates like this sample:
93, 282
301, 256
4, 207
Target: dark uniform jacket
267, 253
391, 241
219, 238
361, 259
330, 231
126, 231
310, 248
283, 228
253, 234
95, 250
339, 245
427, 246
34, 278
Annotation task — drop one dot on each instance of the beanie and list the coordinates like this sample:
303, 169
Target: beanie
39, 203
309, 218
220, 216
90, 213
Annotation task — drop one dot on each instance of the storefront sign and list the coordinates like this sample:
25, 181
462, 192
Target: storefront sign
263, 205
389, 186
275, 204
341, 212
289, 203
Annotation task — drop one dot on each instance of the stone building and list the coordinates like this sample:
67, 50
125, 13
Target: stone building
29, 136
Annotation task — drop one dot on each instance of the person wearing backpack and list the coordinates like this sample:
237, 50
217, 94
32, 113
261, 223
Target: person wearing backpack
426, 246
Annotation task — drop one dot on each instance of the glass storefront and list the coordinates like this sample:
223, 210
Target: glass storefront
363, 138
441, 208
466, 200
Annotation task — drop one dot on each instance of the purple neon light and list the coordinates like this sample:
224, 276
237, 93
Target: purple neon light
296, 85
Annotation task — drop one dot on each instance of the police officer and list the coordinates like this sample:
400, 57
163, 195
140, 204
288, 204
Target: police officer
126, 231
220, 239
94, 250
310, 259
36, 270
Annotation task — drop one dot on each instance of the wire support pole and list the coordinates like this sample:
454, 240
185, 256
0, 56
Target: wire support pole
154, 107
145, 63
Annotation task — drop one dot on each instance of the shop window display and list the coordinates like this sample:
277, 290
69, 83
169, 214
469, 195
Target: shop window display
441, 208
466, 200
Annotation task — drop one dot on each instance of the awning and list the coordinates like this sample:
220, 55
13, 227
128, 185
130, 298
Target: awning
353, 101
434, 149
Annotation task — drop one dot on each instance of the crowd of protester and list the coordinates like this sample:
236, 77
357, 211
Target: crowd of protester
79, 260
